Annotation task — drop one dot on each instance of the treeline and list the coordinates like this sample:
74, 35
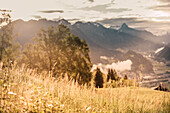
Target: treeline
112, 79
54, 50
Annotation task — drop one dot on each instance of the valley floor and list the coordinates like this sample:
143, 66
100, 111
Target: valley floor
161, 75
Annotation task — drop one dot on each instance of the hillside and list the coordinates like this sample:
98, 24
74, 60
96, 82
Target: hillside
23, 90
165, 53
140, 63
141, 34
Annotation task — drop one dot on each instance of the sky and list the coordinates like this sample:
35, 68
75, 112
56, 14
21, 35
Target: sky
151, 15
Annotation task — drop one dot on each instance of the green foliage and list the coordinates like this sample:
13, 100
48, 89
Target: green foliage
112, 84
125, 77
99, 79
108, 75
112, 74
9, 50
59, 52
121, 83
31, 57
129, 83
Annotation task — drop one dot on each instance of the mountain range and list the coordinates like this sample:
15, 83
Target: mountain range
94, 33
101, 40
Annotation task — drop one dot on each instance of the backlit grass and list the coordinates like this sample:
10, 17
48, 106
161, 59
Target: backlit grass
23, 90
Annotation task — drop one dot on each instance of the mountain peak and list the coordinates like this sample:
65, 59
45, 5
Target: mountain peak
124, 25
63, 21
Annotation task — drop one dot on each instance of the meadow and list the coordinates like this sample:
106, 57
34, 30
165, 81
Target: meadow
25, 90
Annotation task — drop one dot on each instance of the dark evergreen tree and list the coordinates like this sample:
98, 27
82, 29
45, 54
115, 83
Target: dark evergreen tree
109, 75
113, 74
99, 79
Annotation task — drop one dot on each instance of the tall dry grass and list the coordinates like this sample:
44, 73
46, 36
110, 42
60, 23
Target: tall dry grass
24, 90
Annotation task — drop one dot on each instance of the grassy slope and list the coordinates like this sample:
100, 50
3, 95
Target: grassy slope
23, 90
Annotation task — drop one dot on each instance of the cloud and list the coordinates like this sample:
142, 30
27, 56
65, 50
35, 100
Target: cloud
74, 19
91, 0
119, 66
52, 11
105, 8
119, 21
165, 8
36, 16
165, 1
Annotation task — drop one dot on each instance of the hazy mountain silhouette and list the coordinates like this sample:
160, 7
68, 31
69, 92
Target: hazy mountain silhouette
111, 38
164, 39
138, 33
94, 33
101, 40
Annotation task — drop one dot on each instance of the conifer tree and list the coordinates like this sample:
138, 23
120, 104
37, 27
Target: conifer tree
109, 75
113, 74
98, 79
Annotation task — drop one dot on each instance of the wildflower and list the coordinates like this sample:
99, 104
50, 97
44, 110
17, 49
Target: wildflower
88, 108
11, 93
24, 103
57, 103
50, 105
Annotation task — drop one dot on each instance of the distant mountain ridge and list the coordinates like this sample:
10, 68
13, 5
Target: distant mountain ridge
96, 35
101, 40
92, 32
139, 33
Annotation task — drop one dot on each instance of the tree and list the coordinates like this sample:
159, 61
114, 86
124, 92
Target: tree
9, 50
31, 57
61, 52
6, 18
109, 75
99, 79
113, 75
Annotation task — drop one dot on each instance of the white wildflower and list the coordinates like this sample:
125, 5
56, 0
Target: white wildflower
50, 105
88, 108
57, 103
11, 93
